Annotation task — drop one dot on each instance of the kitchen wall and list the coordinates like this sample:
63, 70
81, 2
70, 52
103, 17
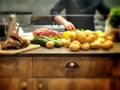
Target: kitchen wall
37, 7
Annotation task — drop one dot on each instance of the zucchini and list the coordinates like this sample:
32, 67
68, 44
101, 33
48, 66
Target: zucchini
39, 41
57, 44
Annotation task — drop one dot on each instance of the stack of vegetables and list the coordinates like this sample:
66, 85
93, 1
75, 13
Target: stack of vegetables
75, 40
85, 40
46, 37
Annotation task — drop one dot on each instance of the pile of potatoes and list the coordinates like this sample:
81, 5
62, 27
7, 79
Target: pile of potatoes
86, 40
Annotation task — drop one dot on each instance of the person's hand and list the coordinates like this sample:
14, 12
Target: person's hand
69, 26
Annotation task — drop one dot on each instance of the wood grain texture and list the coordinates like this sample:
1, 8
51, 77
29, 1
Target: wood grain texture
48, 70
12, 52
15, 84
8, 67
88, 67
25, 67
71, 84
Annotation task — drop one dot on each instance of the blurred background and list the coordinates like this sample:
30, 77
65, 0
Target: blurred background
38, 7
29, 10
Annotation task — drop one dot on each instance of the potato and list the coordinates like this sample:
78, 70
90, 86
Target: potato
81, 37
76, 42
107, 44
50, 44
87, 32
74, 47
91, 38
94, 33
101, 40
60, 41
67, 43
72, 36
63, 41
85, 46
95, 45
109, 37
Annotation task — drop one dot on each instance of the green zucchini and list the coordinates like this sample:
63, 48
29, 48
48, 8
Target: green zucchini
57, 44
39, 41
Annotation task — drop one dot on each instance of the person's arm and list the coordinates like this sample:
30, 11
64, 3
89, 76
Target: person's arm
55, 12
68, 25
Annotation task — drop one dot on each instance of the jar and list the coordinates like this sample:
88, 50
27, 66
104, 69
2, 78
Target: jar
114, 32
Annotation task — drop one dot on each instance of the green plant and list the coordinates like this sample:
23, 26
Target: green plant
114, 19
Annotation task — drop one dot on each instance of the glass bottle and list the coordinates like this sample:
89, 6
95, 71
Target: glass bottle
11, 24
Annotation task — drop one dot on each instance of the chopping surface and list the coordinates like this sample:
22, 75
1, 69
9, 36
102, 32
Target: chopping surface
12, 52
63, 50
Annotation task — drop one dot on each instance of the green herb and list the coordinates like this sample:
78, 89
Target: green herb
114, 19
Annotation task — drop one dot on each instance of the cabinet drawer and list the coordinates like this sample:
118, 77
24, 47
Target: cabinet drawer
72, 66
11, 66
25, 67
71, 84
15, 84
8, 66
115, 84
116, 67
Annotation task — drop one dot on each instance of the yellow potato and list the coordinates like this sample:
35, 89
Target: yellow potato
63, 41
87, 32
107, 44
95, 45
91, 38
67, 43
50, 44
72, 36
109, 37
76, 42
74, 47
85, 46
101, 40
81, 37
60, 41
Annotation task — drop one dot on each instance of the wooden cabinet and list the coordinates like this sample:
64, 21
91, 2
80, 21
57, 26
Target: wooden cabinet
15, 84
115, 84
38, 70
71, 84
60, 72
116, 67
15, 73
8, 67
69, 66
72, 73
115, 81
9, 84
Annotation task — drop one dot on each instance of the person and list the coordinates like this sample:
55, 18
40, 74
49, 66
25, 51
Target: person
79, 13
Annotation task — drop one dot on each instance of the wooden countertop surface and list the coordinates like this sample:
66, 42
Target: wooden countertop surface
66, 51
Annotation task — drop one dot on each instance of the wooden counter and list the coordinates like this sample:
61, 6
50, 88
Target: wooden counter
61, 69
66, 51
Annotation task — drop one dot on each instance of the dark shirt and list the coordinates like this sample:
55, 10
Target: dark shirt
80, 12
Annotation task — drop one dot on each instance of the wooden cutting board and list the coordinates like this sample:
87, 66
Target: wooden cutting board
12, 52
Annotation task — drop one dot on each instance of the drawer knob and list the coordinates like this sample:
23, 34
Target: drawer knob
24, 86
71, 65
40, 86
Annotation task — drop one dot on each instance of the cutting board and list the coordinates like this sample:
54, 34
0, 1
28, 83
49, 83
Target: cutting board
12, 52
